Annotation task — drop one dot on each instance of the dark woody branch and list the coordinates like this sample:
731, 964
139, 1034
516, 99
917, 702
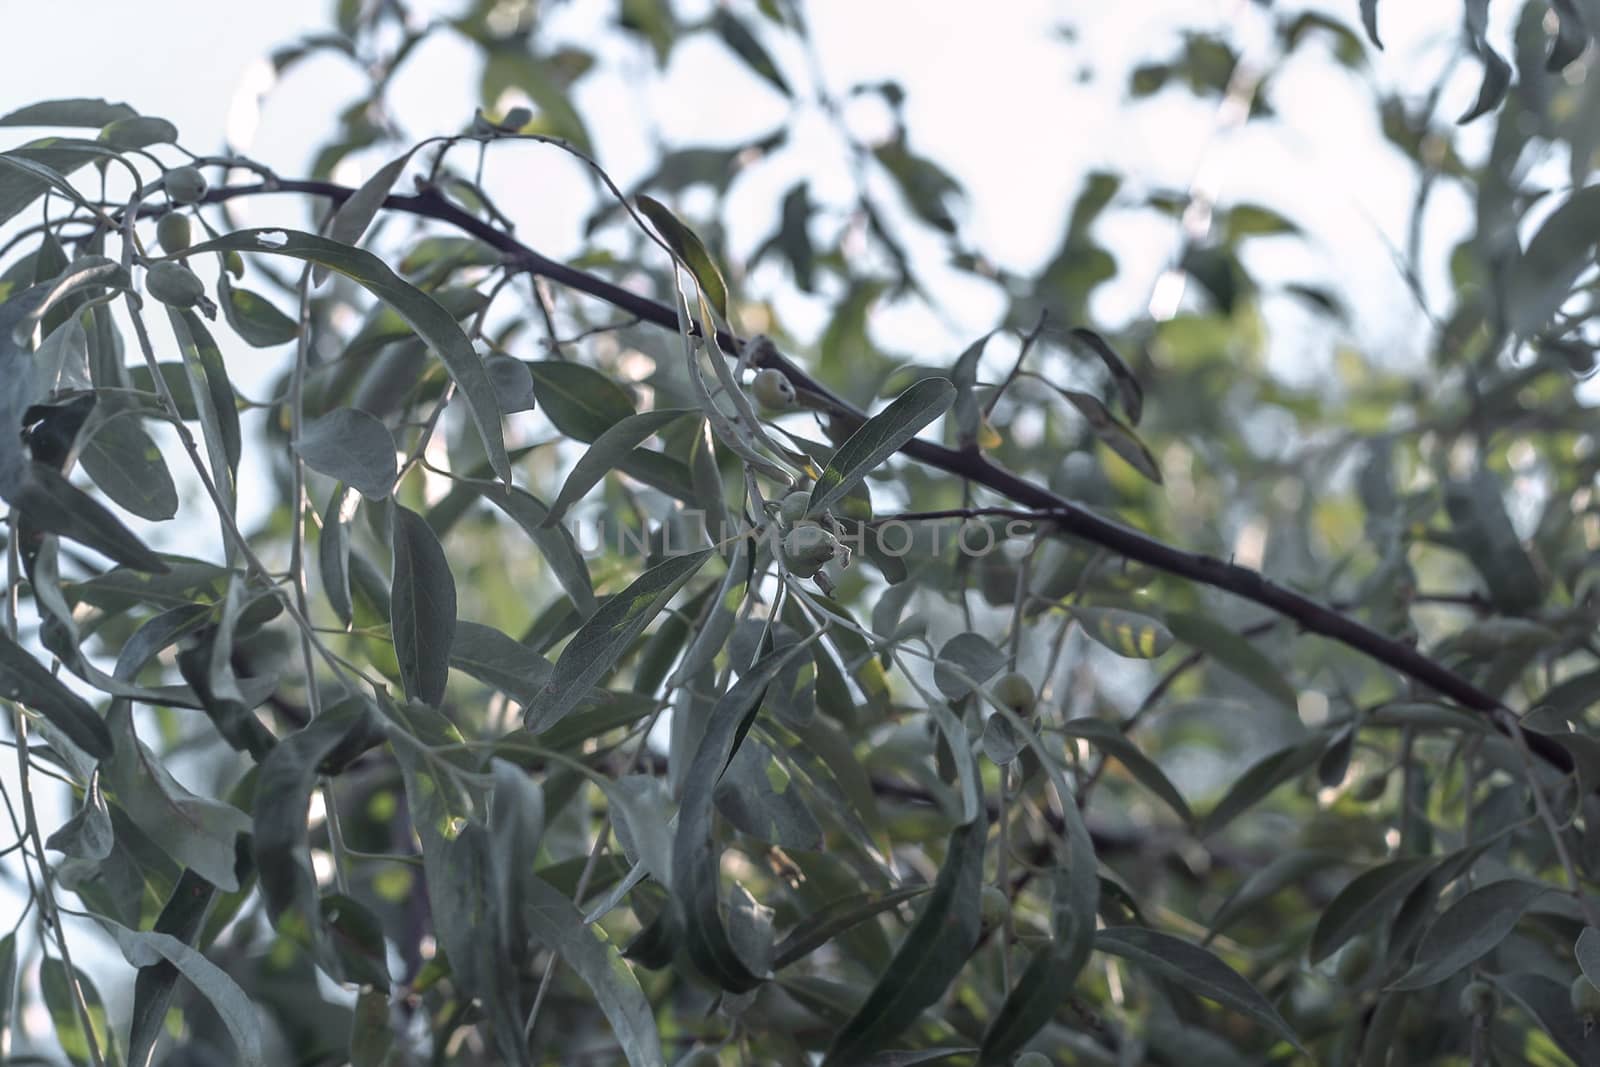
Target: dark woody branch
972, 465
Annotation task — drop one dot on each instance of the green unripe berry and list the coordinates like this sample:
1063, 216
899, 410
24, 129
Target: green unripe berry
994, 906
172, 232
807, 547
1033, 1059
1585, 998
185, 185
175, 284
1014, 691
516, 118
1479, 998
793, 508
773, 390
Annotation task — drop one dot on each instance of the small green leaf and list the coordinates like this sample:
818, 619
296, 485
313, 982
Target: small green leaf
127, 465
934, 951
1196, 969
256, 320
333, 552
56, 506
1127, 633
354, 447
422, 612
1113, 742
582, 402
361, 207
81, 111
1483, 531
689, 250
87, 835
499, 660
1496, 71
26, 681
1114, 434
602, 640
1364, 900
879, 438
836, 917
238, 1014
737, 36
1235, 653
1469, 930
1129, 391
70, 1035
608, 451
758, 796
1369, 20
1260, 779
966, 660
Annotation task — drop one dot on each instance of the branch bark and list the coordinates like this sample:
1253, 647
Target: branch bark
973, 466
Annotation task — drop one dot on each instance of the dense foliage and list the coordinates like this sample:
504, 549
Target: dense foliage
578, 662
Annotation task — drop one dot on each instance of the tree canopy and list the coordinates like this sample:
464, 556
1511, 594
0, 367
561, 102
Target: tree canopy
424, 649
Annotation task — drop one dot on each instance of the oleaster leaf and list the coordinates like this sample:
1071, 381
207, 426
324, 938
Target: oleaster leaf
879, 438
26, 681
688, 249
57, 989
609, 450
1196, 969
966, 660
1235, 653
361, 207
1469, 930
1114, 434
582, 402
928, 960
1129, 392
352, 446
422, 610
1496, 71
421, 312
602, 640
1127, 633
255, 319
499, 660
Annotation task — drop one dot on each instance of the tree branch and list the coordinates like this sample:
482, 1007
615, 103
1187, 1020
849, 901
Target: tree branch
973, 466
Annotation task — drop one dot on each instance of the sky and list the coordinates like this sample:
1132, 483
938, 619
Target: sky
995, 93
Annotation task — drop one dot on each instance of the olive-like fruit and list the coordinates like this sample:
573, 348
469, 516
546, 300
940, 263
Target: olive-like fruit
1033, 1059
1479, 998
1585, 998
185, 185
773, 389
516, 118
993, 905
1014, 691
793, 508
172, 232
175, 284
807, 547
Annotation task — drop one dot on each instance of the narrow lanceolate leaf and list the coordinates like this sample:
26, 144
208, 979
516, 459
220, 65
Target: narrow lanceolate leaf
1482, 529
422, 608
697, 890
1129, 392
1114, 434
1369, 21
928, 960
1196, 969
833, 919
1127, 633
689, 249
238, 1014
128, 467
1113, 742
8, 986
26, 681
1364, 901
55, 505
256, 320
555, 543
354, 447
1469, 930
609, 450
499, 660
1496, 71
333, 552
92, 113
582, 402
602, 640
183, 917
421, 312
553, 920
358, 211
879, 438
1235, 653
1588, 953
1261, 778
56, 988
